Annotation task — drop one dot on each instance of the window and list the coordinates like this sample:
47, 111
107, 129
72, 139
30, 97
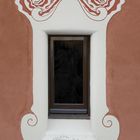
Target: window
69, 76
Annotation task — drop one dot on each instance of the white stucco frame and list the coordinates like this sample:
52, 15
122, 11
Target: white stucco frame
69, 18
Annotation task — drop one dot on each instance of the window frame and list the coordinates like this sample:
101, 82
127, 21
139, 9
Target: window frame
70, 111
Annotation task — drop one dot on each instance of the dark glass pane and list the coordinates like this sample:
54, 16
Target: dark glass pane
68, 71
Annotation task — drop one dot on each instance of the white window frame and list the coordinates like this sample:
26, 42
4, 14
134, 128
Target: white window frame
70, 19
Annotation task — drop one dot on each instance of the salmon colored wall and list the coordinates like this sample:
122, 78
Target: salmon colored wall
15, 69
123, 69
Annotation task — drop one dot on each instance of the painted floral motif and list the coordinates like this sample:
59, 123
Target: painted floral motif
39, 9
100, 9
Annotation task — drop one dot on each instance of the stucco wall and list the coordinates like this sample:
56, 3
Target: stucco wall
15, 69
123, 62
123, 58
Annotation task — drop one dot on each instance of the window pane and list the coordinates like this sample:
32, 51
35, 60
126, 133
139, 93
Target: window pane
68, 71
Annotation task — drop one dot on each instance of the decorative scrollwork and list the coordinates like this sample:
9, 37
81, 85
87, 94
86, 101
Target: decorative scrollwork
107, 121
39, 9
32, 119
99, 9
111, 122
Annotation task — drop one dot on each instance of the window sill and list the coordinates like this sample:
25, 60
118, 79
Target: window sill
69, 116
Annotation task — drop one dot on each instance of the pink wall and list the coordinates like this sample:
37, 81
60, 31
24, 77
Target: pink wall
123, 69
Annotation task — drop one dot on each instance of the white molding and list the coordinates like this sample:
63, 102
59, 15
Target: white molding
69, 18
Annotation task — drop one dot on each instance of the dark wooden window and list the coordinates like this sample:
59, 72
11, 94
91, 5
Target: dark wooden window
68, 76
